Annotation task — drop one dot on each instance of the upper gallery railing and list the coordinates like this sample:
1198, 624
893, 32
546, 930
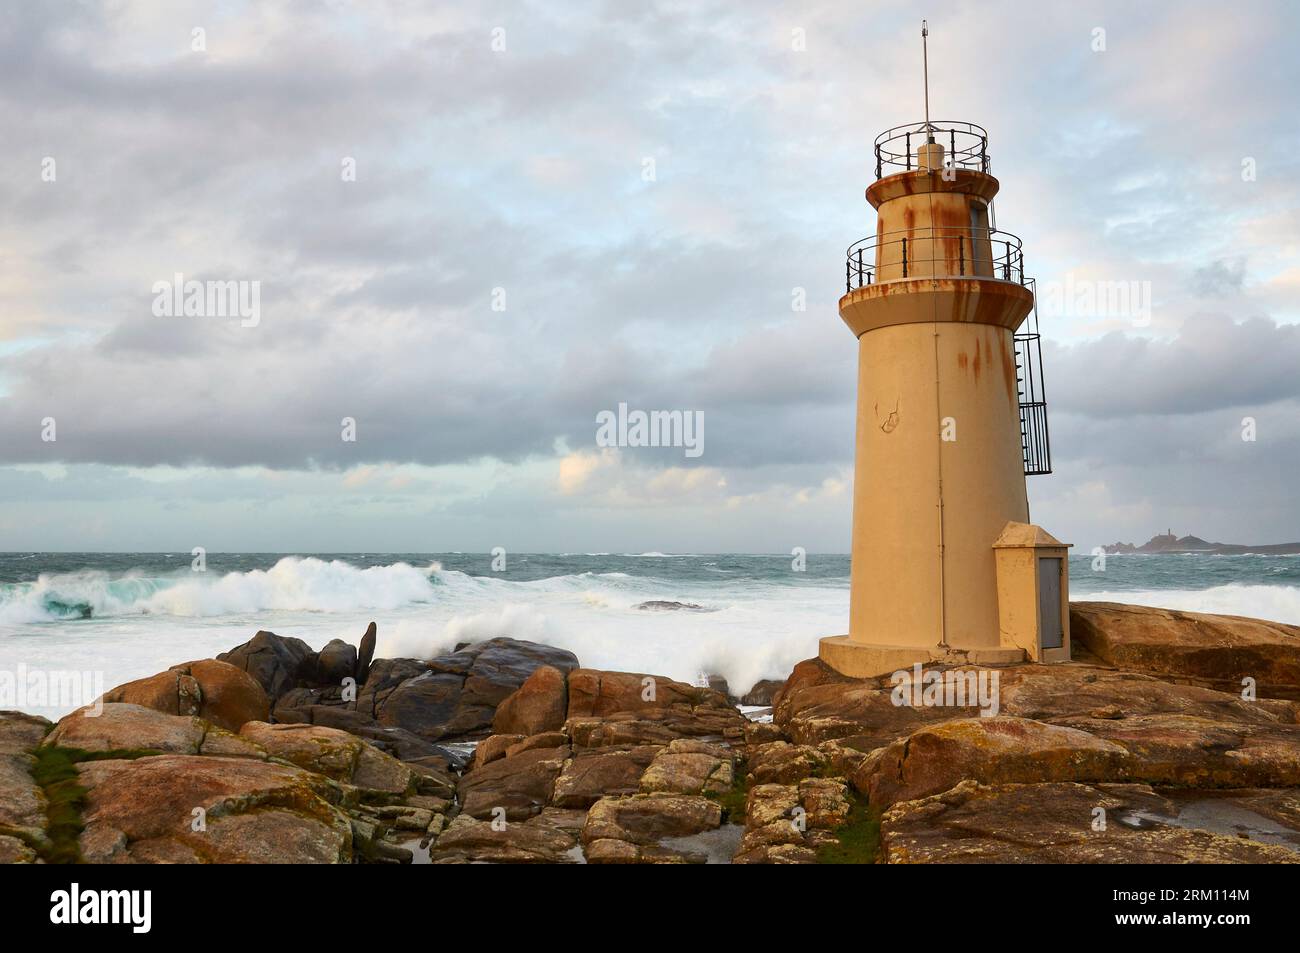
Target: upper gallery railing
965, 144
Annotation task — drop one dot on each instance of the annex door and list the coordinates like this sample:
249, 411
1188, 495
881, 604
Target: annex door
1051, 635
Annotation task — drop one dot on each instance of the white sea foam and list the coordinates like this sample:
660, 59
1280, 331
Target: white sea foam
754, 629
139, 626
1276, 603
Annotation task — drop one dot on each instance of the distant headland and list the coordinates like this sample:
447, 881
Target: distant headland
1169, 543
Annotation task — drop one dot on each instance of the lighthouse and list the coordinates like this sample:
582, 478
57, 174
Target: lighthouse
951, 419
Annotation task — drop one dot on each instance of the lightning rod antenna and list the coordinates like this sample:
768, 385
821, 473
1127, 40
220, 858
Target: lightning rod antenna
925, 65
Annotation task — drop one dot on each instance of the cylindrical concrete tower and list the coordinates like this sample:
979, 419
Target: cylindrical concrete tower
934, 299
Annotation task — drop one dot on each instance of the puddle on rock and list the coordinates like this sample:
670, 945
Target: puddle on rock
1194, 810
419, 855
718, 845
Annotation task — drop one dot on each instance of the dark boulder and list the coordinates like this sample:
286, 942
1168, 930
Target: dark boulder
335, 662
428, 705
383, 677
366, 654
307, 697
278, 663
457, 695
664, 605
762, 692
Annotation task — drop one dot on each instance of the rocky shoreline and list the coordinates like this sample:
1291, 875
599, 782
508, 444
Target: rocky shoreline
1171, 737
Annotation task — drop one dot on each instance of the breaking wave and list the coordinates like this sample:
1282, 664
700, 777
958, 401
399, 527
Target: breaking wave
293, 583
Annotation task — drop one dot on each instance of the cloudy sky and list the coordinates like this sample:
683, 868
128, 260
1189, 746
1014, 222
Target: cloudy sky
503, 266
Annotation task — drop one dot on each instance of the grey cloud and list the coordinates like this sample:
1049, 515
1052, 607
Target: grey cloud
1219, 277
1213, 363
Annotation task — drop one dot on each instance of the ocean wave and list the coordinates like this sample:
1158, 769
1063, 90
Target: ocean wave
1275, 603
302, 584
292, 584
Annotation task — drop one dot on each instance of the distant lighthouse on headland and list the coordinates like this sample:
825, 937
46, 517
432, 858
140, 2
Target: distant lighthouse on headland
951, 418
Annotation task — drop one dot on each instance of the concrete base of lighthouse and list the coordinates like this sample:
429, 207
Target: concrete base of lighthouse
866, 659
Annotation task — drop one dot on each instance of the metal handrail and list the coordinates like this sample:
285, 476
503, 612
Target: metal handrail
966, 145
978, 253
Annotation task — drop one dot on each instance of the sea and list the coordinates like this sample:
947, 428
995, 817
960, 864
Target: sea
120, 616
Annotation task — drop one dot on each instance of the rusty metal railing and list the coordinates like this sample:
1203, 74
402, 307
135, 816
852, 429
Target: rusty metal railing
966, 146
939, 252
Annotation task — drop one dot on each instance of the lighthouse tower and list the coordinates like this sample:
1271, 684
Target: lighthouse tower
950, 420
